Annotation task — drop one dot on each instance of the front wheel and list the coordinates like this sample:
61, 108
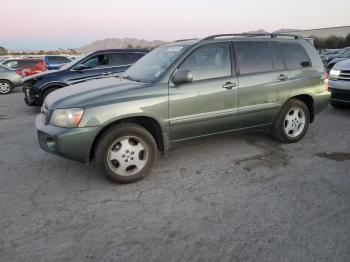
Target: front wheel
126, 153
5, 87
292, 122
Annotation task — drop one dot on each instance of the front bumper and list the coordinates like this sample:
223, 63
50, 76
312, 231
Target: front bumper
340, 91
71, 143
31, 97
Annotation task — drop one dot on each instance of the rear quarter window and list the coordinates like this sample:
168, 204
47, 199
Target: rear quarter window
27, 63
295, 56
57, 59
122, 59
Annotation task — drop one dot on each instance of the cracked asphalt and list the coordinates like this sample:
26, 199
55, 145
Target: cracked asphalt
224, 198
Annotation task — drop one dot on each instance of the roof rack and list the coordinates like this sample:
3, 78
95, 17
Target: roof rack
180, 40
252, 35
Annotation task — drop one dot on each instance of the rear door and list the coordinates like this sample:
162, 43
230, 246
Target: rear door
122, 61
95, 66
263, 82
207, 105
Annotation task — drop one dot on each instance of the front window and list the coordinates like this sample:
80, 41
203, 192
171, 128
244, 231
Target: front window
150, 67
210, 61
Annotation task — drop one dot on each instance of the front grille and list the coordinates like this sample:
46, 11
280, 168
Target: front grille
341, 94
344, 75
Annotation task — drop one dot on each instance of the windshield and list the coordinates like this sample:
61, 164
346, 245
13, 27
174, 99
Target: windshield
150, 67
76, 61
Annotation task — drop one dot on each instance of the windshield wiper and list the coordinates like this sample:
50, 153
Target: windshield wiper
131, 78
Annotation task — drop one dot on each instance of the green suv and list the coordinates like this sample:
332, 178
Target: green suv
184, 90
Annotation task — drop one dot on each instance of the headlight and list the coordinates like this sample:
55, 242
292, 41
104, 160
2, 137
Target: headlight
334, 73
67, 117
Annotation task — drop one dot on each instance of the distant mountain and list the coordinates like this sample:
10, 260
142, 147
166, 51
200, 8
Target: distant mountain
119, 43
281, 31
260, 31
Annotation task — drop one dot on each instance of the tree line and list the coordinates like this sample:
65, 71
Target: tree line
332, 42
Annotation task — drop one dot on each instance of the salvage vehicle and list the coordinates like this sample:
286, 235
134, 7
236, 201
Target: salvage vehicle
339, 83
186, 90
99, 64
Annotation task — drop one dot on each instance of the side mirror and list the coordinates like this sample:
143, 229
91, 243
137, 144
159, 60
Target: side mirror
182, 77
79, 68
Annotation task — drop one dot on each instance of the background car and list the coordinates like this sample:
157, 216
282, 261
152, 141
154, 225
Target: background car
99, 64
339, 83
339, 53
9, 79
26, 66
332, 62
54, 62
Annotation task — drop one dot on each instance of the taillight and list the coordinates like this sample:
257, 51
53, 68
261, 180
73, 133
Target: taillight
325, 81
19, 72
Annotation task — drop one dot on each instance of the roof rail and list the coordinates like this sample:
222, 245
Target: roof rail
180, 40
252, 35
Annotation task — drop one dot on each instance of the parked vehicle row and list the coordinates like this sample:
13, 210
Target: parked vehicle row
31, 66
331, 59
180, 91
26, 66
99, 64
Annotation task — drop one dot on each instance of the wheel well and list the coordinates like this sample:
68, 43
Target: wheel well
7, 81
150, 124
57, 85
309, 102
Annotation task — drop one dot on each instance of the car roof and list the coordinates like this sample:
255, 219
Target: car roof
238, 37
125, 50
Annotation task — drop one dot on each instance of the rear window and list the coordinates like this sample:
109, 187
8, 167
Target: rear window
295, 56
26, 63
253, 57
122, 59
57, 59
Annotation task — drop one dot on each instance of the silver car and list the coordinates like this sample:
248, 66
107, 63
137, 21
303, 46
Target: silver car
9, 79
339, 83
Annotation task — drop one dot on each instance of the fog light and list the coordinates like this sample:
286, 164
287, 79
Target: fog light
50, 143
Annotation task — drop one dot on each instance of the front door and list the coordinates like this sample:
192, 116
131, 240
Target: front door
209, 104
97, 66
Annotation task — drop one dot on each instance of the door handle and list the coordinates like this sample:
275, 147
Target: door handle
106, 73
229, 85
282, 77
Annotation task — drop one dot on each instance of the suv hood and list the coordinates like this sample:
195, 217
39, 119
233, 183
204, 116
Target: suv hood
92, 93
343, 65
39, 75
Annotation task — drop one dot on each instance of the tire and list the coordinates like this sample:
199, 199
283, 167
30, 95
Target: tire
292, 122
126, 153
6, 87
47, 92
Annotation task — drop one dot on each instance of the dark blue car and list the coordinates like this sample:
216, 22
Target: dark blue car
99, 64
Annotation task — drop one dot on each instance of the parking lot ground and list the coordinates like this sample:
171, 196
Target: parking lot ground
223, 198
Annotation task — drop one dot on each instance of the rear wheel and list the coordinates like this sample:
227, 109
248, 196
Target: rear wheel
5, 87
292, 122
126, 153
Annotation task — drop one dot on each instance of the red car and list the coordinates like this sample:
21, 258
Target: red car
28, 66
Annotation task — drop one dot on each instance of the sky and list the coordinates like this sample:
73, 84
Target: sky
53, 24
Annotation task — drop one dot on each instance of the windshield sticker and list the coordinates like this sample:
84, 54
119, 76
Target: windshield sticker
174, 49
